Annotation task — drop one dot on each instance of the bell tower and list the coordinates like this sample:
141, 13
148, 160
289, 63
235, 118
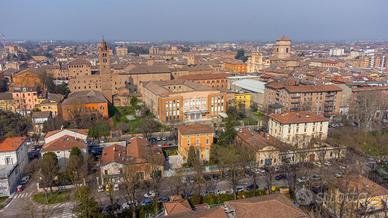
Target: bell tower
105, 71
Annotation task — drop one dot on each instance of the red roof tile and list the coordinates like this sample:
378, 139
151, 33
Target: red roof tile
64, 143
298, 117
11, 143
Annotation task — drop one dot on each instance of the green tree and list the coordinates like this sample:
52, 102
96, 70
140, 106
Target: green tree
134, 102
192, 156
75, 168
86, 206
49, 168
240, 55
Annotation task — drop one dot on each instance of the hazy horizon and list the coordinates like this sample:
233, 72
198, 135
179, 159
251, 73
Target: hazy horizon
194, 21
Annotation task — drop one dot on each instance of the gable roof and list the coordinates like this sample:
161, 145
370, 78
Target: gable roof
79, 131
114, 153
195, 129
298, 117
177, 206
11, 143
64, 143
85, 97
268, 206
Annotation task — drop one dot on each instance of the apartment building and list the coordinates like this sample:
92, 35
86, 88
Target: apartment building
25, 99
197, 135
298, 128
13, 160
320, 99
182, 101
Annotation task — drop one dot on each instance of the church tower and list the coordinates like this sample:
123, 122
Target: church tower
105, 71
282, 48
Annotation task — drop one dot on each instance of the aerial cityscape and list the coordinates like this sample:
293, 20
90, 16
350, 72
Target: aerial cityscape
216, 109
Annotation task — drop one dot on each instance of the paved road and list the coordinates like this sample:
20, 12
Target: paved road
22, 206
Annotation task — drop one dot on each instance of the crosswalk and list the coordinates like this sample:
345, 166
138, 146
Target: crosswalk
68, 211
53, 206
23, 195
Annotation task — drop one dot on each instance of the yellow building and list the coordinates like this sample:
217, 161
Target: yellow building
197, 135
51, 103
242, 99
6, 102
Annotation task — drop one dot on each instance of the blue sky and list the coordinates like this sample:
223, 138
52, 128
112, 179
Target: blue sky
195, 20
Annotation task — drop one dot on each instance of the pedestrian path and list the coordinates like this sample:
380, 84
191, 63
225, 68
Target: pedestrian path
68, 211
23, 195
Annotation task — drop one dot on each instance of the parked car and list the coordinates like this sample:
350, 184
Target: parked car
149, 194
301, 179
339, 175
219, 192
280, 177
240, 188
251, 186
116, 187
327, 163
315, 177
108, 187
317, 164
25, 180
158, 139
260, 171
164, 138
146, 202
163, 199
19, 188
127, 205
100, 188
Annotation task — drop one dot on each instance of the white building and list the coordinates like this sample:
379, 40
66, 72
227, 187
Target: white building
298, 128
62, 141
337, 52
13, 159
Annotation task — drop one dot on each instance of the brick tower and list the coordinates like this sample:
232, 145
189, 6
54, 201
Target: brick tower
105, 71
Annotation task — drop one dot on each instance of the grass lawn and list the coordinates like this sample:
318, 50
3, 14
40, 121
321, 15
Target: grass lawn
2, 200
249, 121
171, 151
258, 114
53, 198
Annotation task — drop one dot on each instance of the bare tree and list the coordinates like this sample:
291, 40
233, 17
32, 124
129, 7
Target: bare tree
365, 106
132, 182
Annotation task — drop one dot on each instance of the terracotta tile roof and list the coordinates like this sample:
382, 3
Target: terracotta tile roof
208, 76
362, 184
79, 61
311, 88
135, 152
114, 153
195, 129
298, 117
177, 206
80, 131
64, 143
136, 148
217, 212
85, 97
11, 143
161, 87
269, 206
258, 141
